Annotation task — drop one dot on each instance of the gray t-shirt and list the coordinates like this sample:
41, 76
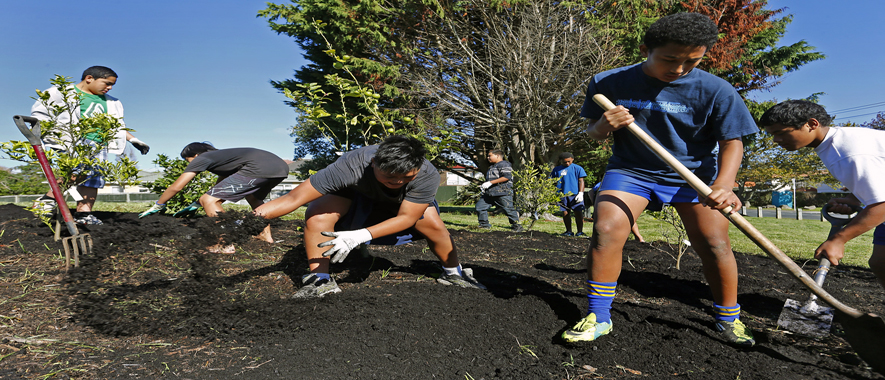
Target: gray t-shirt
353, 171
249, 162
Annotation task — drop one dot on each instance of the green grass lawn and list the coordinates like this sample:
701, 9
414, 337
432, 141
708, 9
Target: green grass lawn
797, 238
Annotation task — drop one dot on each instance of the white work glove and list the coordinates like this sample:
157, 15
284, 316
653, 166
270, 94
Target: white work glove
140, 145
579, 197
485, 185
344, 242
153, 210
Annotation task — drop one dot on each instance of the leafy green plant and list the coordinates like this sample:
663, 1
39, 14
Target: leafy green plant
534, 191
466, 195
172, 169
675, 236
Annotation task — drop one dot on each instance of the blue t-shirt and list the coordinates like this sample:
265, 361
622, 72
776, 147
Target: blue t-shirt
687, 117
568, 178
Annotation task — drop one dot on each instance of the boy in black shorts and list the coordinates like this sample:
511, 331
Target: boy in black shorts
242, 173
380, 193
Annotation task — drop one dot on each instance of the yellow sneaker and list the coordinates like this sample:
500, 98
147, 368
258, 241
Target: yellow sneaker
736, 332
587, 329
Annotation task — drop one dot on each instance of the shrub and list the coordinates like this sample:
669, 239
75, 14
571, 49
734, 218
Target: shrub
534, 191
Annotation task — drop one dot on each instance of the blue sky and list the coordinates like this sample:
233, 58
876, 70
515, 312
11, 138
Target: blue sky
851, 35
199, 70
189, 70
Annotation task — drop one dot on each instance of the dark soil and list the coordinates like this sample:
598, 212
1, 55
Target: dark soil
151, 302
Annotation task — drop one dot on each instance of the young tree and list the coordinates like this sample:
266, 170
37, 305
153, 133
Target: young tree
534, 191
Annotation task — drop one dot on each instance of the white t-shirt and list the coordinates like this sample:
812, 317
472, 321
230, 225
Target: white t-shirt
856, 157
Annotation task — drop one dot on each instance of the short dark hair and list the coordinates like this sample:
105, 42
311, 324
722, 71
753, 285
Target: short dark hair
564, 155
98, 72
497, 152
687, 29
196, 148
795, 113
399, 154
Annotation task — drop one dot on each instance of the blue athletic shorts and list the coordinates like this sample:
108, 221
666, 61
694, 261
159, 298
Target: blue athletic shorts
879, 235
656, 194
237, 186
94, 179
364, 213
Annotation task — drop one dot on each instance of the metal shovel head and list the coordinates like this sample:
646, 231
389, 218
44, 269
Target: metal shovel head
808, 319
865, 334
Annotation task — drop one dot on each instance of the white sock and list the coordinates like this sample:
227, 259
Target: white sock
453, 270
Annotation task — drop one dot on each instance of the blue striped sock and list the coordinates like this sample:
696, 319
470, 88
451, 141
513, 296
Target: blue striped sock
600, 296
727, 313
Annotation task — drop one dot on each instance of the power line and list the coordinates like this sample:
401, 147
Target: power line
858, 108
854, 116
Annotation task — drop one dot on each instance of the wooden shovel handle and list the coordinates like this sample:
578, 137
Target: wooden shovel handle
736, 219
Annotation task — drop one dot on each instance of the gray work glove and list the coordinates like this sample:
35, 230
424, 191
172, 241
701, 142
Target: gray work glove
140, 145
153, 210
485, 185
188, 211
344, 242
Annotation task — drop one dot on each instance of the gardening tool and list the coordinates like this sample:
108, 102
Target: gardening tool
864, 331
76, 243
809, 318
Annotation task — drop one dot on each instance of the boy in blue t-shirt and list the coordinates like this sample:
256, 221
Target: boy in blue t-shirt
690, 113
571, 185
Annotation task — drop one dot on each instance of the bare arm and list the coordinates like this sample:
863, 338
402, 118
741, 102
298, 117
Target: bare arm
294, 199
408, 215
176, 186
834, 248
612, 120
731, 153
499, 180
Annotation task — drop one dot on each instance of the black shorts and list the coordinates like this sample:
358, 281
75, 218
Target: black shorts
237, 186
364, 213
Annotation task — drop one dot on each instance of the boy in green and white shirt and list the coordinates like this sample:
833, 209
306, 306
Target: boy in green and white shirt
94, 85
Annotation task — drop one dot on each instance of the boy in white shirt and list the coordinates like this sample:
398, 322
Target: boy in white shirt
855, 156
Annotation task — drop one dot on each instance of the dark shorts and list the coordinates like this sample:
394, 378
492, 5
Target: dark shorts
364, 213
237, 186
93, 179
656, 194
879, 235
568, 203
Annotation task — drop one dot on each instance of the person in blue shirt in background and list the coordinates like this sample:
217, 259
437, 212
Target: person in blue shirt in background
571, 185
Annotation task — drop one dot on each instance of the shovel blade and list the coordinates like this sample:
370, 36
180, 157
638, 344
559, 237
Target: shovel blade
806, 319
866, 335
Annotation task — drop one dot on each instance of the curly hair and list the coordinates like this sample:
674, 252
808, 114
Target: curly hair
687, 29
795, 113
399, 154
